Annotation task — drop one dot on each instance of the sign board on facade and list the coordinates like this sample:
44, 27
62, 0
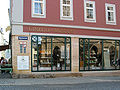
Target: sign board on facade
23, 62
22, 38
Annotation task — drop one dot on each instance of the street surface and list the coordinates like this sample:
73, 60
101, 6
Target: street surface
63, 83
82, 86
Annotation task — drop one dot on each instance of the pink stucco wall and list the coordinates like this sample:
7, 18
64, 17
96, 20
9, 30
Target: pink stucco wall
53, 14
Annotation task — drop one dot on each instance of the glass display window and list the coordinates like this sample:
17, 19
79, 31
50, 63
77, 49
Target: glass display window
51, 53
97, 54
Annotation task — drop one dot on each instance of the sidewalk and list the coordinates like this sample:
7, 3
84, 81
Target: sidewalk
62, 80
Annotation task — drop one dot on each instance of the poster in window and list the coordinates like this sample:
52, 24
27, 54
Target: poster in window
23, 62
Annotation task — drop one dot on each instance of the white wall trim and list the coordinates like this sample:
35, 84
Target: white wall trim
18, 30
78, 36
65, 26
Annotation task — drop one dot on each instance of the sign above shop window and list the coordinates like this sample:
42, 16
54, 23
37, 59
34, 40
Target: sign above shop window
22, 38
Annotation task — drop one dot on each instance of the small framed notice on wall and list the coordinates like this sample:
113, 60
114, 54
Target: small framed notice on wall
23, 62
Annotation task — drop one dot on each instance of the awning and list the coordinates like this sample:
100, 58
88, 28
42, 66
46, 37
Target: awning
4, 47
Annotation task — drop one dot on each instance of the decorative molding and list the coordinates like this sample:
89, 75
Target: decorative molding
78, 36
65, 26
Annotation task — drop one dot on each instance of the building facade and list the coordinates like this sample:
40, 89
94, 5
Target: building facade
65, 35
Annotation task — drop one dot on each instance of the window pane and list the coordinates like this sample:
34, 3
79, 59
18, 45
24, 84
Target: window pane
44, 46
64, 1
66, 10
24, 49
40, 8
68, 1
89, 5
36, 8
34, 53
21, 48
96, 54
44, 60
110, 16
68, 56
58, 54
90, 13
90, 54
118, 55
81, 55
86, 54
109, 8
109, 54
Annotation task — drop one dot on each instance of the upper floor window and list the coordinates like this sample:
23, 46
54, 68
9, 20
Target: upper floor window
66, 12
39, 8
110, 14
89, 11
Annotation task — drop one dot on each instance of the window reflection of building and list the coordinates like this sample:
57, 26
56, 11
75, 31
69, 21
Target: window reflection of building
98, 54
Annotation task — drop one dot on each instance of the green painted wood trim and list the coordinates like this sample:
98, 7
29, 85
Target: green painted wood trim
70, 54
88, 54
31, 55
115, 54
79, 54
102, 55
119, 53
65, 53
51, 55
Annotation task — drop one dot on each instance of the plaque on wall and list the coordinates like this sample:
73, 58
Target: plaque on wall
23, 62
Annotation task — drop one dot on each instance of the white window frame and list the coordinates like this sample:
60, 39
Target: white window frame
44, 10
85, 11
61, 11
114, 13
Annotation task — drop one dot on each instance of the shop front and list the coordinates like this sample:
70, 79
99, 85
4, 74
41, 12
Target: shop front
46, 50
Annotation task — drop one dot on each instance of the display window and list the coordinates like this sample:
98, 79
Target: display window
51, 53
99, 54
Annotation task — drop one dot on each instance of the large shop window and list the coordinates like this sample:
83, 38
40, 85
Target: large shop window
99, 54
89, 11
51, 53
66, 9
110, 14
39, 8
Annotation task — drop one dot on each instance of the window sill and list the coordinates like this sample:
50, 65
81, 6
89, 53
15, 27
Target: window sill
111, 23
66, 18
38, 16
90, 20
